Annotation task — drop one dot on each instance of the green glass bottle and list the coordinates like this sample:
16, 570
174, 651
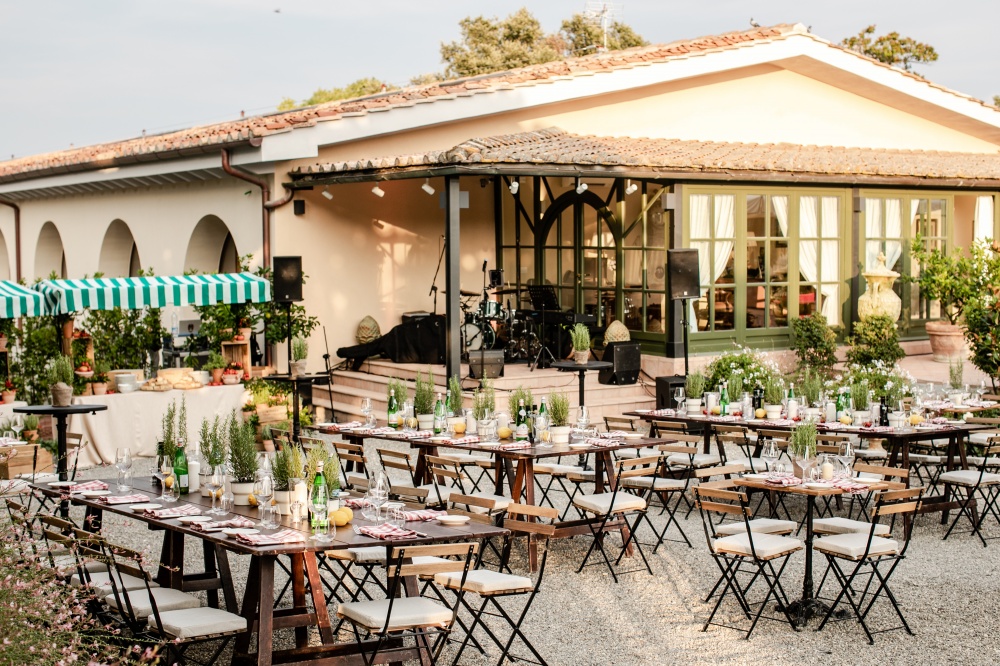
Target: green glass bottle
393, 409
181, 469
440, 416
724, 398
318, 495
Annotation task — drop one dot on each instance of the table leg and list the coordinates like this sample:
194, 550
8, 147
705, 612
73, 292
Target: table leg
808, 606
295, 412
249, 608
583, 379
62, 464
297, 567
319, 601
208, 551
265, 605
420, 470
517, 485
228, 592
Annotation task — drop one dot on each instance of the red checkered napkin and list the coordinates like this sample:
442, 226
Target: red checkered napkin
423, 515
282, 537
614, 434
123, 499
174, 512
513, 446
663, 412
849, 486
785, 480
89, 485
416, 434
468, 439
387, 532
238, 521
597, 441
354, 502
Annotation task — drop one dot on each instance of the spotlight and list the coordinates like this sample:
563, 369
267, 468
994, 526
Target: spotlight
631, 187
326, 193
515, 186
581, 187
426, 187
378, 191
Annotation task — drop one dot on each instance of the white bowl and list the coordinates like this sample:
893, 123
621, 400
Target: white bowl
453, 520
128, 388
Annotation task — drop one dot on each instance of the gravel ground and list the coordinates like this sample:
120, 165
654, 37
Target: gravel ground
947, 589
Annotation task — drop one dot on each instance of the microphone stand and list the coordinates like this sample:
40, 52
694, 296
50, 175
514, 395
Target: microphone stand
434, 289
329, 372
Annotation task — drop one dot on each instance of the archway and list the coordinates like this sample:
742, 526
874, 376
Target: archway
211, 248
50, 257
119, 253
5, 273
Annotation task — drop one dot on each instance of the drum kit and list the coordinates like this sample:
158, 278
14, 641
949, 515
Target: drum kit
487, 324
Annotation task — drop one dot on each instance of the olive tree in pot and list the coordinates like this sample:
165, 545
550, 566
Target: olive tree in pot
242, 458
952, 280
216, 365
559, 413
423, 400
580, 336
61, 381
300, 352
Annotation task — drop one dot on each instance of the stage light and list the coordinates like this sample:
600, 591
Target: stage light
581, 187
326, 193
426, 187
631, 187
378, 191
515, 186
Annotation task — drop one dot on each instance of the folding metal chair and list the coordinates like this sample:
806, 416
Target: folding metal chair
977, 483
748, 554
869, 558
352, 459
401, 460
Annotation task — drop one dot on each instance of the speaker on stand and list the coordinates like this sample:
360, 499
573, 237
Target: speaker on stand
627, 360
684, 284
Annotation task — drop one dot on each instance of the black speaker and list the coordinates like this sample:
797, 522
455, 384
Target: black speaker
627, 359
682, 270
287, 279
488, 363
665, 390
299, 207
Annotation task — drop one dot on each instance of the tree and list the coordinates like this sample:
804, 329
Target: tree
359, 88
996, 100
491, 45
891, 48
582, 35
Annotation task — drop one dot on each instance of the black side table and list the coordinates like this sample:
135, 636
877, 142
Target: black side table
581, 368
296, 382
61, 414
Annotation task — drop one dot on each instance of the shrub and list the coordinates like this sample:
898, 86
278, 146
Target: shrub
749, 363
815, 342
455, 397
810, 386
242, 449
279, 468
559, 408
875, 339
946, 278
520, 393
580, 336
402, 392
982, 331
694, 385
423, 393
61, 370
882, 379
300, 349
803, 441
774, 391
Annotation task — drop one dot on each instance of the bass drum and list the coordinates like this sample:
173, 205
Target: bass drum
477, 337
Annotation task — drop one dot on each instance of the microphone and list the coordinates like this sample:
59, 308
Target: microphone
484, 265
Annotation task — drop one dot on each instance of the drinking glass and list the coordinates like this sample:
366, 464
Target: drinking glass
582, 416
769, 454
216, 481
17, 425
367, 410
163, 468
846, 455
263, 490
295, 511
123, 458
679, 396
124, 480
228, 501
272, 517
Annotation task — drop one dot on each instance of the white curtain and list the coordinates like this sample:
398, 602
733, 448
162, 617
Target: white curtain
725, 228
780, 206
983, 220
700, 228
830, 249
883, 219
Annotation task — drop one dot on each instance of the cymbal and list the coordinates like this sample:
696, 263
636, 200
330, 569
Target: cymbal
511, 290
464, 292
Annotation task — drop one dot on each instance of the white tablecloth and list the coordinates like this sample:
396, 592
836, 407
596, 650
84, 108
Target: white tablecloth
134, 419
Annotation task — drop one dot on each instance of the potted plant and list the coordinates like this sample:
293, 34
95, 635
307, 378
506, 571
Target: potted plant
455, 400
514, 399
233, 373
300, 351
802, 447
694, 388
559, 414
9, 391
61, 381
216, 365
30, 432
99, 382
483, 404
242, 458
952, 280
212, 445
774, 393
266, 439
287, 468
423, 400
580, 335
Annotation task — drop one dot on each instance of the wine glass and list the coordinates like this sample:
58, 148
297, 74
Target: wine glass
846, 455
123, 458
263, 490
582, 417
163, 468
17, 425
679, 396
769, 454
216, 481
367, 410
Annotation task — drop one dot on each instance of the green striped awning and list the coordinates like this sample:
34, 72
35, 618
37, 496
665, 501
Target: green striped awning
19, 301
65, 296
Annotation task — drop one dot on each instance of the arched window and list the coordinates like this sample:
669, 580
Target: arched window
49, 254
211, 247
119, 254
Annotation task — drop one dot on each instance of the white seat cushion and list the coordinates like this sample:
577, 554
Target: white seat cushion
847, 526
366, 555
101, 582
766, 545
462, 458
436, 494
584, 476
657, 483
67, 562
601, 503
969, 477
39, 477
981, 437
486, 463
977, 461
871, 454
406, 612
750, 464
483, 581
853, 545
195, 622
757, 526
501, 502
555, 469
926, 458
644, 452
167, 599
700, 460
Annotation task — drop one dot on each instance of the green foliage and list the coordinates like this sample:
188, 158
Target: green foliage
358, 88
215, 361
212, 442
982, 331
875, 339
815, 342
30, 421
61, 370
774, 390
296, 461
492, 45
423, 393
455, 394
331, 467
735, 387
242, 449
882, 379
400, 388
484, 399
803, 441
583, 35
280, 468
305, 417
520, 393
750, 364
694, 385
559, 409
183, 434
580, 336
956, 373
860, 395
810, 385
32, 349
300, 349
125, 338
891, 48
168, 430
951, 279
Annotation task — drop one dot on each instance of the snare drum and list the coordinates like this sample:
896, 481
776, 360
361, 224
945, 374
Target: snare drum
490, 309
477, 337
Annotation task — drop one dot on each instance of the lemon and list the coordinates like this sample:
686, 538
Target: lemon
459, 428
546, 436
168, 482
338, 517
251, 500
347, 512
760, 413
218, 493
504, 432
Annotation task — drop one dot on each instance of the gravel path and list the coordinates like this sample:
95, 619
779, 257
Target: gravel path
948, 590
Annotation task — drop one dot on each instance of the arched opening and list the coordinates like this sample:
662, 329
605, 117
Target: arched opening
211, 248
119, 254
49, 254
4, 259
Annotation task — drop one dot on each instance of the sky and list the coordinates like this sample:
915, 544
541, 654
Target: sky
78, 72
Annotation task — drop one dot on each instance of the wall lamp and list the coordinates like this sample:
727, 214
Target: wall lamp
580, 187
630, 187
426, 187
378, 191
515, 185
326, 193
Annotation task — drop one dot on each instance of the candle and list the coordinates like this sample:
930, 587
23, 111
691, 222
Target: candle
792, 408
827, 470
194, 482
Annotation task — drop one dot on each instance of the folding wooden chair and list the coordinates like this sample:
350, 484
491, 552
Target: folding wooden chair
745, 441
869, 556
352, 459
401, 460
446, 468
977, 483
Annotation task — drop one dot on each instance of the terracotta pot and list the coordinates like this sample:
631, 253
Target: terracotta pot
62, 395
947, 341
29, 435
217, 375
246, 333
100, 388
9, 396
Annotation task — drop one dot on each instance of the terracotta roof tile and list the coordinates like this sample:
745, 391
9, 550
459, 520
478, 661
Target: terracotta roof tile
553, 146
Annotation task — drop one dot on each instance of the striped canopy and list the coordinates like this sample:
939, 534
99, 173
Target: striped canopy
65, 296
20, 301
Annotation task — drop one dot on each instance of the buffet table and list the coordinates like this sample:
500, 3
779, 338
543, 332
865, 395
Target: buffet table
134, 419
